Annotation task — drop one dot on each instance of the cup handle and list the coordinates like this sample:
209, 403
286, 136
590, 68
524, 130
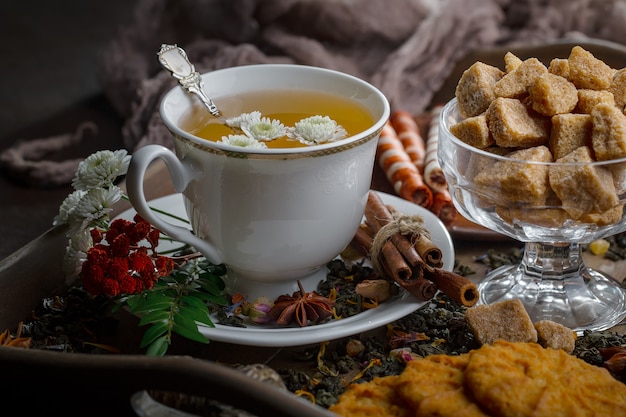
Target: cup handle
181, 176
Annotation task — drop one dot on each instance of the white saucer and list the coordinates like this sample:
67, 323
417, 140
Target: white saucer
264, 335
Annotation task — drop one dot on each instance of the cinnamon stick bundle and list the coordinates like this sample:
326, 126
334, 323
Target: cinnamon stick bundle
377, 215
421, 256
425, 247
457, 287
398, 258
394, 267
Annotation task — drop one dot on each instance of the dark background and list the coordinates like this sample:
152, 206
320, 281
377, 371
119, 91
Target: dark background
49, 54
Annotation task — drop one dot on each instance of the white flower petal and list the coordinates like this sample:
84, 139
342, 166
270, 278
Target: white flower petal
244, 119
264, 129
67, 206
242, 141
93, 209
76, 254
316, 129
101, 169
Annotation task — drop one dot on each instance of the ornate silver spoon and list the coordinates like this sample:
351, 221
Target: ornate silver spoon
174, 59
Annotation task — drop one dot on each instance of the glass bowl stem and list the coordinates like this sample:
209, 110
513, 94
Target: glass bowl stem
554, 284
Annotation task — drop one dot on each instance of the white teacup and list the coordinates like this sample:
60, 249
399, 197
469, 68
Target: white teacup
273, 216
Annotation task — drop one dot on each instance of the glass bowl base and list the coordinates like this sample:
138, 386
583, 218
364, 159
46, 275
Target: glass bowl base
584, 300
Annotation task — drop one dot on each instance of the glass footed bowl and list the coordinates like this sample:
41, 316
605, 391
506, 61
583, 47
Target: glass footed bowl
554, 208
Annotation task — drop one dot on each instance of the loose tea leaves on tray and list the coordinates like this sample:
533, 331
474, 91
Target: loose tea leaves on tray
77, 322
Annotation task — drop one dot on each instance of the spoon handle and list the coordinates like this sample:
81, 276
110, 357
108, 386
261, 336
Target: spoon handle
174, 59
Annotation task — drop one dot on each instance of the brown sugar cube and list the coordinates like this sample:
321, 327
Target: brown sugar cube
517, 182
618, 88
611, 216
474, 90
515, 84
513, 126
608, 135
556, 336
511, 61
473, 131
548, 215
479, 162
588, 99
569, 131
618, 169
559, 66
583, 189
504, 320
552, 94
545, 217
586, 71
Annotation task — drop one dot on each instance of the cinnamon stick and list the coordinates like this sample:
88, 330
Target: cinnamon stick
426, 248
394, 264
421, 288
455, 286
398, 268
362, 240
429, 251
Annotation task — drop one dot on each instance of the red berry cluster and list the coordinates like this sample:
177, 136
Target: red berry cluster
117, 264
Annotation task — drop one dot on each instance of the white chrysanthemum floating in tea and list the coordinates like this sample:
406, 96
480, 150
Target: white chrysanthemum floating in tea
244, 119
310, 131
243, 141
315, 130
258, 127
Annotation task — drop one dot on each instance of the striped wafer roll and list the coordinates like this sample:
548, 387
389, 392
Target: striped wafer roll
399, 170
443, 206
433, 174
409, 134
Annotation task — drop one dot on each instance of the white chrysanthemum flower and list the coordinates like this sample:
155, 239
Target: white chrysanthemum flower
316, 129
76, 254
67, 206
244, 119
101, 169
93, 209
243, 141
264, 129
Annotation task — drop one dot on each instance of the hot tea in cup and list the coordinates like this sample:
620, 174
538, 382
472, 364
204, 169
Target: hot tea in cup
278, 212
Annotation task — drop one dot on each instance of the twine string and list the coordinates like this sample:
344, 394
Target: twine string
407, 225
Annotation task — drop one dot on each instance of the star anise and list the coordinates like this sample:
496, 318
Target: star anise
303, 307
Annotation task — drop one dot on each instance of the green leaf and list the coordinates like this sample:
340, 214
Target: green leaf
198, 315
166, 280
133, 300
209, 287
158, 347
193, 301
164, 303
188, 328
155, 317
155, 331
217, 279
216, 299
